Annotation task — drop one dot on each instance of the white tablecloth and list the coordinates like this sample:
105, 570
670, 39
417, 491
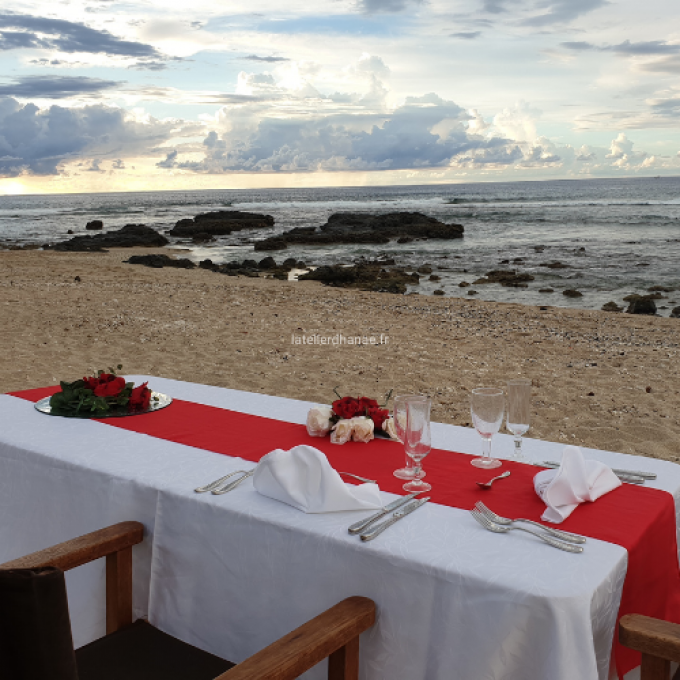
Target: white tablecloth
232, 573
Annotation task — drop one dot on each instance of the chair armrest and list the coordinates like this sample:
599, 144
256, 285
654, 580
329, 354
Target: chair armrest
300, 650
650, 636
78, 551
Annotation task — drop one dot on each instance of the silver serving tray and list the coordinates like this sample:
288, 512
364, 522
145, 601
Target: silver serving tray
163, 400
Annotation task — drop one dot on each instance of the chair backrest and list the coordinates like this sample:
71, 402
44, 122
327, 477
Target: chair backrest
35, 628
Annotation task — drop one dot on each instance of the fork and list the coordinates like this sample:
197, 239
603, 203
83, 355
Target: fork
498, 529
504, 521
232, 485
217, 482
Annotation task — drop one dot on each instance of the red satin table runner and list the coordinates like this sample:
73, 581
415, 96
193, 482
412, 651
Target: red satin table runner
640, 519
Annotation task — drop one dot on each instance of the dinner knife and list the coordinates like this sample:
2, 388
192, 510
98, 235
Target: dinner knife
630, 476
358, 527
400, 514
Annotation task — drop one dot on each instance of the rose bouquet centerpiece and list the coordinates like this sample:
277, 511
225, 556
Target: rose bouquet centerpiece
100, 395
355, 418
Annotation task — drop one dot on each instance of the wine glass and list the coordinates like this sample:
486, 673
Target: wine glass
486, 406
519, 407
417, 440
399, 415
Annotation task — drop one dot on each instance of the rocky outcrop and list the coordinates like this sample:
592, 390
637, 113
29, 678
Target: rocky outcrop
611, 307
130, 236
95, 225
221, 223
160, 261
507, 278
571, 293
366, 276
675, 313
364, 228
642, 304
554, 265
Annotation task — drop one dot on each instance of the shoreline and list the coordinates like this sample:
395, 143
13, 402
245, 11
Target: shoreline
591, 369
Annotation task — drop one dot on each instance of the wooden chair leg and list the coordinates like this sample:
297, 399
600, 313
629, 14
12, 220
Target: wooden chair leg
343, 664
118, 590
654, 668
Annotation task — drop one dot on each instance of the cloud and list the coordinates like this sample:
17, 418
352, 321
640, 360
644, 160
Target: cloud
67, 36
666, 65
38, 140
563, 11
269, 60
466, 35
94, 166
627, 48
374, 6
56, 87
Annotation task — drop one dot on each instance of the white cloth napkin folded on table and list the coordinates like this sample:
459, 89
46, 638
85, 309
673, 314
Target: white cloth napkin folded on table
303, 478
575, 481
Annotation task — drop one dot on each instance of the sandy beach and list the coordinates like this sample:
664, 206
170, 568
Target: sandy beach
603, 380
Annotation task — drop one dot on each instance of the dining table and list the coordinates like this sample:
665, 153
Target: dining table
232, 573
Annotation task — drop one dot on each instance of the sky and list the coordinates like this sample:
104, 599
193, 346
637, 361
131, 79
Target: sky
109, 95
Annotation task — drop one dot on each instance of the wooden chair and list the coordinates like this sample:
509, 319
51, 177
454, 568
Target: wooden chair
35, 632
659, 642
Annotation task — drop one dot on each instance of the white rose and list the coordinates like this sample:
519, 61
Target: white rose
342, 431
363, 429
319, 421
390, 429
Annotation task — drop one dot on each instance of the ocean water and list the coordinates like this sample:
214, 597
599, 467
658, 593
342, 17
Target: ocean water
616, 236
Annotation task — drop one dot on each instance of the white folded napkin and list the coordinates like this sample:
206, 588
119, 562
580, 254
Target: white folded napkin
575, 481
303, 478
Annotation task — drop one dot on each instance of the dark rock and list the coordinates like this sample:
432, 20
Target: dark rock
267, 263
472, 292
518, 260
611, 307
463, 284
507, 278
546, 290
70, 231
660, 289
643, 305
424, 269
280, 274
571, 293
206, 264
160, 261
539, 249
364, 228
221, 223
504, 262
434, 277
129, 236
202, 238
77, 279
404, 239
365, 276
675, 313
439, 291
301, 265
554, 265
249, 264
289, 262
95, 225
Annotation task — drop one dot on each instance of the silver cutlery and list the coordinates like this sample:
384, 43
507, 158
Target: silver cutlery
400, 514
217, 482
232, 485
630, 476
358, 527
504, 521
498, 529
487, 485
361, 479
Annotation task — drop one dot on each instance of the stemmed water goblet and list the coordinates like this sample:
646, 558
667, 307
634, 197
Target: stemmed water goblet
399, 415
417, 440
519, 408
486, 406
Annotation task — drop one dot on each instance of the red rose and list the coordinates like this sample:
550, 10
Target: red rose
378, 416
140, 398
347, 407
365, 404
91, 383
109, 388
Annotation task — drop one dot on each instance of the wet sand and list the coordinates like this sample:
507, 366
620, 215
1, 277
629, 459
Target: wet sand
604, 380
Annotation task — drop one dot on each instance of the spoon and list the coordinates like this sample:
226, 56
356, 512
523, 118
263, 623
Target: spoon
487, 485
